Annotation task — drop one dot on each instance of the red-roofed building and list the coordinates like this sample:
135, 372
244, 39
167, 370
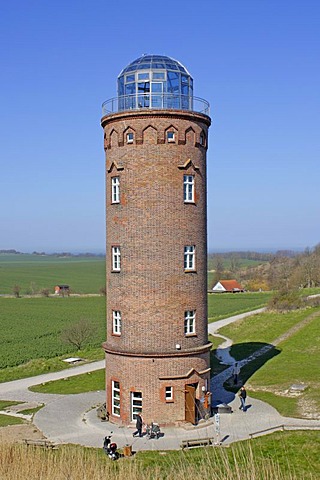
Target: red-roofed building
227, 286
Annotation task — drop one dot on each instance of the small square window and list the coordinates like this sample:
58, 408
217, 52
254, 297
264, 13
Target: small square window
202, 139
169, 394
171, 136
130, 137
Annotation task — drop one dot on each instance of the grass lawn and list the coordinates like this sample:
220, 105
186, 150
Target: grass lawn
223, 305
294, 360
298, 363
6, 420
4, 404
86, 382
292, 452
253, 332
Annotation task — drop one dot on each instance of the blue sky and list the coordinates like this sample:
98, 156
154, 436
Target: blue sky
255, 61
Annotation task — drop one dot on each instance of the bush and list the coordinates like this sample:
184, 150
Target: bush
286, 300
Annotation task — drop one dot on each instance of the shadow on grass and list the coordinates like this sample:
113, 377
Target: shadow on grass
246, 350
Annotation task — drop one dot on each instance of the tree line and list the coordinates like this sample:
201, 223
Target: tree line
284, 270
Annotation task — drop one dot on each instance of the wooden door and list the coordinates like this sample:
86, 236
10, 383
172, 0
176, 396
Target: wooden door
190, 404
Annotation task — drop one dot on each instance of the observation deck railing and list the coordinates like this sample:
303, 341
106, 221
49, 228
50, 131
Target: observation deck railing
158, 101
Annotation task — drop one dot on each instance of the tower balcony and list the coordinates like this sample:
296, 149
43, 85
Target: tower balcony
155, 101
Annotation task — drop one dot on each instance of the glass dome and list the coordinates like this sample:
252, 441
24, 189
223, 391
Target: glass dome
155, 81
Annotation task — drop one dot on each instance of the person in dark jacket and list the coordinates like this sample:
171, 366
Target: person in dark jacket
139, 424
243, 396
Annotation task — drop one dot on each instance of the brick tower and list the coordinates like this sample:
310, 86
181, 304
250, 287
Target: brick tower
157, 349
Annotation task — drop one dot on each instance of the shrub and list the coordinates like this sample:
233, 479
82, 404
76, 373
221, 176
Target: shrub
286, 300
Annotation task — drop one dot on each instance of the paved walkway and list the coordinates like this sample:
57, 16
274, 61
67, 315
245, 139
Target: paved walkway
73, 419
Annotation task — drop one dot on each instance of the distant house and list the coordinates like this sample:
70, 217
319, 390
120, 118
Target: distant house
62, 290
227, 286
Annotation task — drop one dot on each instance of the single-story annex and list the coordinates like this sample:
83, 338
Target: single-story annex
227, 286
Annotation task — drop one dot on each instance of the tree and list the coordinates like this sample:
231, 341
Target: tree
16, 291
234, 263
281, 269
218, 269
78, 333
33, 288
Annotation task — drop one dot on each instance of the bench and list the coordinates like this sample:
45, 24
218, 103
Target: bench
197, 442
41, 442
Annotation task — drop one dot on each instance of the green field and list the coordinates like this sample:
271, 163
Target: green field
30, 342
36, 272
31, 327
87, 382
241, 263
223, 305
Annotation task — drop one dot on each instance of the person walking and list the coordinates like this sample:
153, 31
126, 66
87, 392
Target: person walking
243, 396
139, 424
235, 373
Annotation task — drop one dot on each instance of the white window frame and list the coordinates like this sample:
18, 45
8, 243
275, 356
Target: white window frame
115, 189
171, 136
116, 259
116, 322
136, 404
116, 398
190, 322
169, 393
130, 137
188, 188
190, 257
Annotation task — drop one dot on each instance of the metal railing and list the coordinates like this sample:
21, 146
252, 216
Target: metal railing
157, 101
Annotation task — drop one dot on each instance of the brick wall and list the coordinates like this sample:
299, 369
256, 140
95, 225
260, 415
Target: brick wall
152, 225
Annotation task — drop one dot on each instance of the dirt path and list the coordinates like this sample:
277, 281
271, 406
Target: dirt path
292, 331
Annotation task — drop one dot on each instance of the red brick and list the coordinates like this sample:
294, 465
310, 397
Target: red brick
152, 225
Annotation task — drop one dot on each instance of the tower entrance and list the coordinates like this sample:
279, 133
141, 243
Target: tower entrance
190, 403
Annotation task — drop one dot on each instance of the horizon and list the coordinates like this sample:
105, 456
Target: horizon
99, 252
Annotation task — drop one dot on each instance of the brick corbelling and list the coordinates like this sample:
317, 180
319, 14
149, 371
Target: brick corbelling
176, 354
188, 124
156, 114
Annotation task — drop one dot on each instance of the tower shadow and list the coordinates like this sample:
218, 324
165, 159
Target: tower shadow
251, 356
